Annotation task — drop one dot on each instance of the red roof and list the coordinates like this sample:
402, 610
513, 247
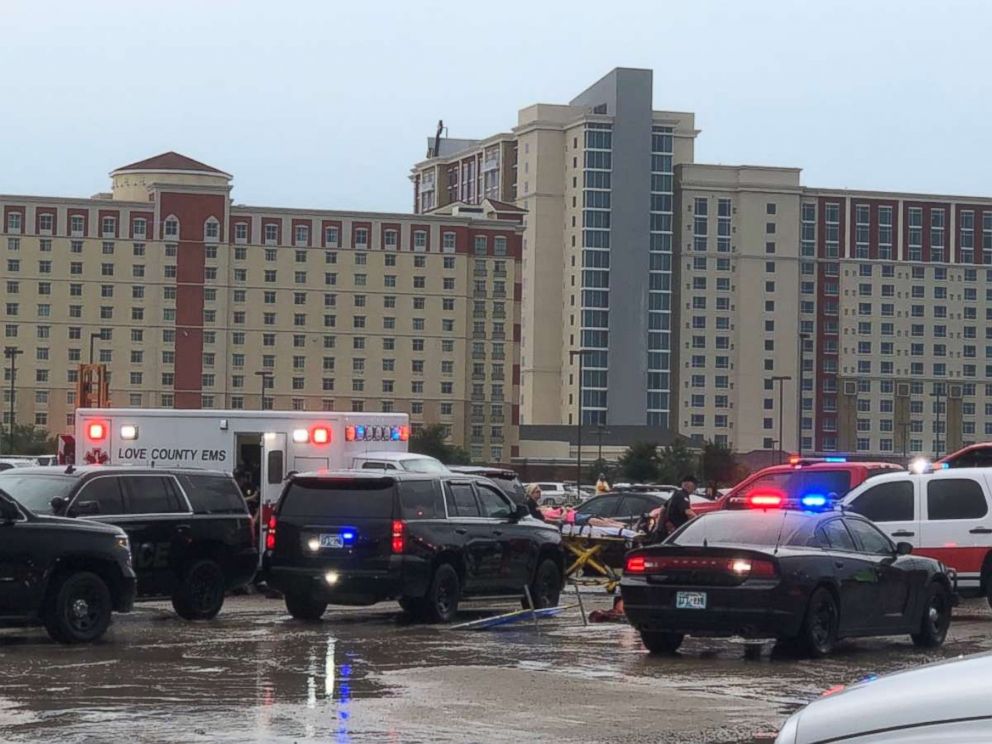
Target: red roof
171, 161
502, 206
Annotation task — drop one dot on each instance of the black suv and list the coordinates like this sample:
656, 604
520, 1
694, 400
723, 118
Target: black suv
191, 534
69, 575
425, 539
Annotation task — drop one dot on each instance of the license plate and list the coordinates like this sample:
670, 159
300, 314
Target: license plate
690, 600
331, 541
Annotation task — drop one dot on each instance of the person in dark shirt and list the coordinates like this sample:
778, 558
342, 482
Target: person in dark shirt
533, 498
679, 509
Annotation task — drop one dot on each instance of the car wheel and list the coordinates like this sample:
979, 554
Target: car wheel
661, 642
987, 582
936, 617
79, 609
441, 602
303, 607
200, 595
546, 587
819, 633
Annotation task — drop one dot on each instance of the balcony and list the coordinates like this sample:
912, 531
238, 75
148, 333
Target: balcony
499, 336
479, 355
500, 273
478, 396
479, 293
499, 294
478, 419
498, 355
480, 272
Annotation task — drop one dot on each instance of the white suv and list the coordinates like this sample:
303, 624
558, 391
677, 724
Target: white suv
946, 515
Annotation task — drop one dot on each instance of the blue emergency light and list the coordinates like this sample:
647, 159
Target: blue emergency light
348, 536
835, 459
359, 432
394, 433
814, 501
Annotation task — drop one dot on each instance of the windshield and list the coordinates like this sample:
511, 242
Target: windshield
346, 499
35, 491
740, 528
423, 465
799, 483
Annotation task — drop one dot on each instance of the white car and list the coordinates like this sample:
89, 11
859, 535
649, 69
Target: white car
6, 463
944, 703
408, 461
555, 493
945, 515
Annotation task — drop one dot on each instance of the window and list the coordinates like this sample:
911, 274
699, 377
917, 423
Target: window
834, 535
872, 541
886, 502
955, 498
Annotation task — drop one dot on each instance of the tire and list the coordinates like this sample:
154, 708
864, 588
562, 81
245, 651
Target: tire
441, 602
303, 607
987, 583
200, 595
936, 618
545, 589
819, 632
661, 643
412, 606
79, 609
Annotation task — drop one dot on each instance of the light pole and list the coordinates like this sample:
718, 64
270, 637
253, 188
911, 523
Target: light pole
803, 338
780, 379
938, 393
580, 353
263, 375
11, 352
600, 431
94, 337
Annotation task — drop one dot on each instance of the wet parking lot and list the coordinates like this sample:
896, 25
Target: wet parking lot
365, 675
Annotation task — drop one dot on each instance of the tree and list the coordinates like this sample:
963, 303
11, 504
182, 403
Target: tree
676, 461
639, 463
593, 470
27, 440
718, 466
430, 440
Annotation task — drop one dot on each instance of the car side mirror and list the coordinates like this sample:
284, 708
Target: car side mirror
58, 504
8, 513
904, 548
85, 508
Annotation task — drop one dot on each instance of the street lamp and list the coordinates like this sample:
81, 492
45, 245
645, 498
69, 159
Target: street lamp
264, 375
580, 353
11, 352
780, 379
803, 338
93, 337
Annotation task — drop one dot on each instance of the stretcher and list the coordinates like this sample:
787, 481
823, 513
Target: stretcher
586, 546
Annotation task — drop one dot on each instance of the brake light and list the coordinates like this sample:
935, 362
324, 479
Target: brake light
399, 536
270, 535
320, 435
96, 431
635, 564
765, 500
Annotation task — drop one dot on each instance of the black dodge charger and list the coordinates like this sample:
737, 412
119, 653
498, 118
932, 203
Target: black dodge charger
805, 578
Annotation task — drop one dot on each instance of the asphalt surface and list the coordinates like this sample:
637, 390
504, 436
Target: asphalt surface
366, 675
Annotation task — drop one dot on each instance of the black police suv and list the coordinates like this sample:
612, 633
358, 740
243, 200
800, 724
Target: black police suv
428, 540
808, 578
504, 479
190, 531
67, 574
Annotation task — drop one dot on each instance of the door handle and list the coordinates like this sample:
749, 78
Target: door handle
839, 564
907, 533
981, 531
497, 532
182, 528
461, 531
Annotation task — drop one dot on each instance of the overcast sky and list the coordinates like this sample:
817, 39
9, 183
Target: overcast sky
326, 104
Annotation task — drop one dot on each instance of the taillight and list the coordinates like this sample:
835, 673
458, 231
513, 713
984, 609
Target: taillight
750, 568
270, 534
635, 564
399, 536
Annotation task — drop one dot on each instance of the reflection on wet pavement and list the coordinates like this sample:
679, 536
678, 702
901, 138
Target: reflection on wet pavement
367, 675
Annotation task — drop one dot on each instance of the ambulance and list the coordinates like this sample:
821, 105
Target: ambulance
267, 445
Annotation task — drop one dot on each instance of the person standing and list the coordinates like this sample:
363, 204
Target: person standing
679, 507
602, 485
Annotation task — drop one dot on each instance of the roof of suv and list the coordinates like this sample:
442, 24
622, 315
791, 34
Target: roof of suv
399, 475
83, 470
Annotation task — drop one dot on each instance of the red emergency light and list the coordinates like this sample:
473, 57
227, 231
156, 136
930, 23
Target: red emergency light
96, 431
404, 433
349, 433
320, 435
765, 500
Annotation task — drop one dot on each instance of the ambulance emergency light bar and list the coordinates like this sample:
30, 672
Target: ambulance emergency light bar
361, 433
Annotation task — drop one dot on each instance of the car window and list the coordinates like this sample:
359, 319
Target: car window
494, 504
872, 541
103, 493
955, 498
887, 502
835, 535
547, 486
213, 494
378, 466
421, 500
346, 498
423, 465
36, 491
634, 506
604, 506
747, 527
151, 494
979, 458
461, 501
